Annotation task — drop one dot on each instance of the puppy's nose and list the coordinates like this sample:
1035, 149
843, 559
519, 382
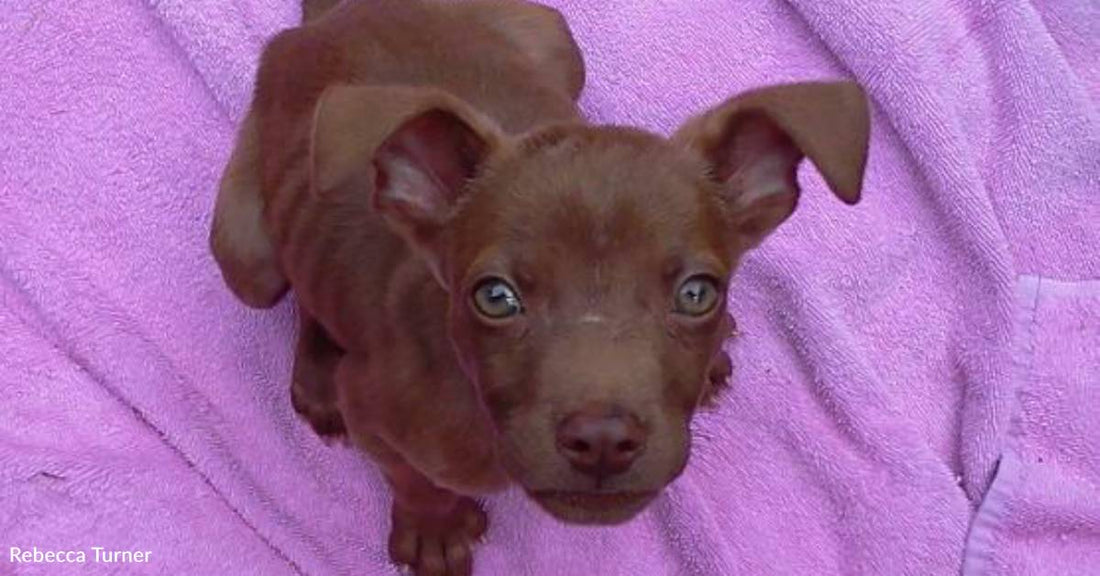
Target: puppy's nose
601, 443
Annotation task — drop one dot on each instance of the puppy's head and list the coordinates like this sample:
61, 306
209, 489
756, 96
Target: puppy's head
587, 267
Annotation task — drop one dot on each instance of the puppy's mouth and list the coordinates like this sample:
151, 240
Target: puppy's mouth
578, 507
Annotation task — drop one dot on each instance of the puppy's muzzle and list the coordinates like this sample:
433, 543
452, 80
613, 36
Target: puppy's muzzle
601, 442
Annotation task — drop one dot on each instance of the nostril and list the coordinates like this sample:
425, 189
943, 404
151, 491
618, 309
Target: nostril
626, 446
578, 445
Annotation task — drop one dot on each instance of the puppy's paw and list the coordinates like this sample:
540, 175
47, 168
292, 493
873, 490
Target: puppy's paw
323, 417
437, 544
717, 379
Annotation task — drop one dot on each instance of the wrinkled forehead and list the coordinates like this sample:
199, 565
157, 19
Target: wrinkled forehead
612, 199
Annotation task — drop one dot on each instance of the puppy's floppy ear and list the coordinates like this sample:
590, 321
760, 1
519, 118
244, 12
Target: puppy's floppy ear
412, 150
541, 34
238, 240
754, 142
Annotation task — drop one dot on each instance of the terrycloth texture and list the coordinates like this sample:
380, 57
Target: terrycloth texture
141, 407
1042, 514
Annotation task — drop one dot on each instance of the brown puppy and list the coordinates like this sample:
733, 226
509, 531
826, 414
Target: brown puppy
491, 289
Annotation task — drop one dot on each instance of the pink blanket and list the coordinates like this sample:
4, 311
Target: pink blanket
903, 403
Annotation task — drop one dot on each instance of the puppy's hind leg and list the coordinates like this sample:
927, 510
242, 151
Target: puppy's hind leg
313, 390
314, 9
238, 240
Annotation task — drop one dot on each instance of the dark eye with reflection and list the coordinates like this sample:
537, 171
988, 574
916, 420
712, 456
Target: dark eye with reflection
494, 298
697, 296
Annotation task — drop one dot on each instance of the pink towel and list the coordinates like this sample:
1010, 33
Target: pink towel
880, 374
1041, 514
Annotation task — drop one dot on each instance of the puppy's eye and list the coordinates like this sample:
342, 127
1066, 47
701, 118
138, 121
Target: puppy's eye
697, 296
494, 298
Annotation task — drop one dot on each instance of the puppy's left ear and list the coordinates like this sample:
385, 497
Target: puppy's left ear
754, 143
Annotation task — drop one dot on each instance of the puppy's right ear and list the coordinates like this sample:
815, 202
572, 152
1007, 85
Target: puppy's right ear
413, 150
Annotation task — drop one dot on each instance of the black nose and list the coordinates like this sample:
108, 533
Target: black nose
601, 443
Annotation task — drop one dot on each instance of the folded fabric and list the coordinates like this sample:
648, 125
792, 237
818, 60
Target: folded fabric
1042, 513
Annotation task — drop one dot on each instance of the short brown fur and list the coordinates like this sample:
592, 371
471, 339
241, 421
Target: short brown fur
407, 166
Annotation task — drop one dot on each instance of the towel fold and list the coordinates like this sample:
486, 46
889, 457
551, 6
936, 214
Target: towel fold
1042, 513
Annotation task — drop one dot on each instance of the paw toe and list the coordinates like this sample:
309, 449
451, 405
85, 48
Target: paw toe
432, 561
474, 520
404, 545
458, 556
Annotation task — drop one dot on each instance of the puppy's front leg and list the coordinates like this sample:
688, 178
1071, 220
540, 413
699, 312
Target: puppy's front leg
433, 528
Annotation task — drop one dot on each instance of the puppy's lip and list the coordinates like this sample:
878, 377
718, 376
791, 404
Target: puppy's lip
599, 508
595, 500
